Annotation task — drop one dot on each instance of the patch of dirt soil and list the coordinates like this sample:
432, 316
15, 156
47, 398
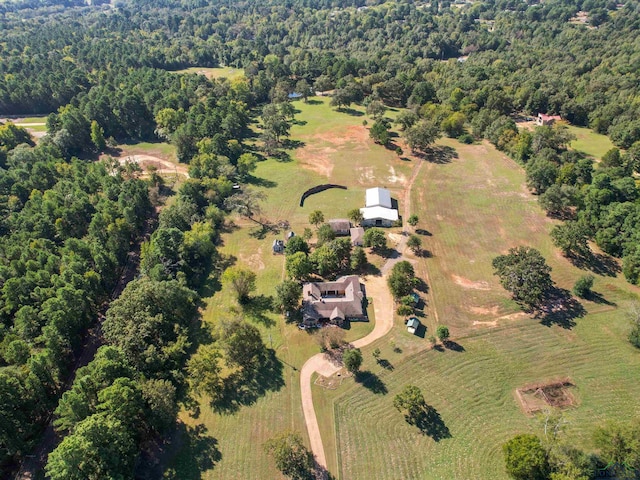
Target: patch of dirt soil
393, 178
496, 321
334, 381
162, 166
466, 283
539, 396
484, 311
318, 158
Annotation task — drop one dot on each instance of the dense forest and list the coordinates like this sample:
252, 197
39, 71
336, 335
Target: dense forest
105, 74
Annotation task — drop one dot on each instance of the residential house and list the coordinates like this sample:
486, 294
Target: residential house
547, 119
278, 246
332, 302
378, 210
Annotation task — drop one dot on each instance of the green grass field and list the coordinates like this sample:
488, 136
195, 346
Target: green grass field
474, 208
590, 142
220, 72
339, 144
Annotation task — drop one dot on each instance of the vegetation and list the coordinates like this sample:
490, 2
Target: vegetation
352, 359
291, 456
524, 273
525, 458
241, 280
443, 333
402, 279
583, 285
375, 238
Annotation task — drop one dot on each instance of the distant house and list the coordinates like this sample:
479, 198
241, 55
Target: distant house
357, 236
547, 119
333, 302
412, 325
278, 246
294, 96
340, 226
326, 93
378, 210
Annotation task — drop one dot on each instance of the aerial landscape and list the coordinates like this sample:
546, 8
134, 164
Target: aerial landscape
319, 239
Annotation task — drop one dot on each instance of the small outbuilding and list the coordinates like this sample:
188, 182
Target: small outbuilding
357, 236
278, 246
340, 226
412, 325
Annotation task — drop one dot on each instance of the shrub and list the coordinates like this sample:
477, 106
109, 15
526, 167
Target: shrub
582, 287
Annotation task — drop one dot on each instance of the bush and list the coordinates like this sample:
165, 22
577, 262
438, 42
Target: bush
582, 287
466, 138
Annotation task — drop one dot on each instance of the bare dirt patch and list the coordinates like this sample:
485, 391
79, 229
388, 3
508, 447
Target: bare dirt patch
316, 154
485, 311
466, 283
148, 161
540, 396
394, 178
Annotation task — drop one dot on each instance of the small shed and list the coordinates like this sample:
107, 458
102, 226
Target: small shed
415, 297
290, 235
278, 246
412, 325
357, 236
340, 226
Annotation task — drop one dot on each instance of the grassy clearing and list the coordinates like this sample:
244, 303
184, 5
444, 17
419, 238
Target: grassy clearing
590, 142
220, 72
333, 138
471, 210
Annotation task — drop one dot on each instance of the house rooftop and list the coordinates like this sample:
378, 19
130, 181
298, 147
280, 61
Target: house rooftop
369, 213
330, 300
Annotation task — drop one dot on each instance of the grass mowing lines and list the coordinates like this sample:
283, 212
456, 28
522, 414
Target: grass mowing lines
473, 392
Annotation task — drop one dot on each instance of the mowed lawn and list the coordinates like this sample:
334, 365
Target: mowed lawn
590, 142
338, 143
471, 210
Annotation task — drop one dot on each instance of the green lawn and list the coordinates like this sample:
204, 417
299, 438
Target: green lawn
471, 210
590, 142
339, 140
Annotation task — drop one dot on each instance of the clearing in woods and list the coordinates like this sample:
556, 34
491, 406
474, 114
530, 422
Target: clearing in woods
317, 133
217, 72
471, 209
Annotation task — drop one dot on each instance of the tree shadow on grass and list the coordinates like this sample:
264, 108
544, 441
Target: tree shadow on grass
560, 308
190, 451
244, 387
260, 182
351, 111
429, 422
596, 297
421, 286
371, 382
453, 346
288, 143
384, 363
440, 154
597, 263
255, 309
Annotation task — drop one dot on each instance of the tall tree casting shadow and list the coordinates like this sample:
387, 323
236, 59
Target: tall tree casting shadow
256, 307
371, 382
598, 263
189, 453
560, 308
430, 423
246, 386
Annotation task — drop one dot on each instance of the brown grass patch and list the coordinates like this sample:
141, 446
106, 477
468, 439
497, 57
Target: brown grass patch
316, 154
539, 396
254, 261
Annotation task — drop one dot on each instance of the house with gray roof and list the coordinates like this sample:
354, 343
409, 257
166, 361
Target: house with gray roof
332, 302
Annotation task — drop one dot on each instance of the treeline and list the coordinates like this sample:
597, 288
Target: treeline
67, 229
